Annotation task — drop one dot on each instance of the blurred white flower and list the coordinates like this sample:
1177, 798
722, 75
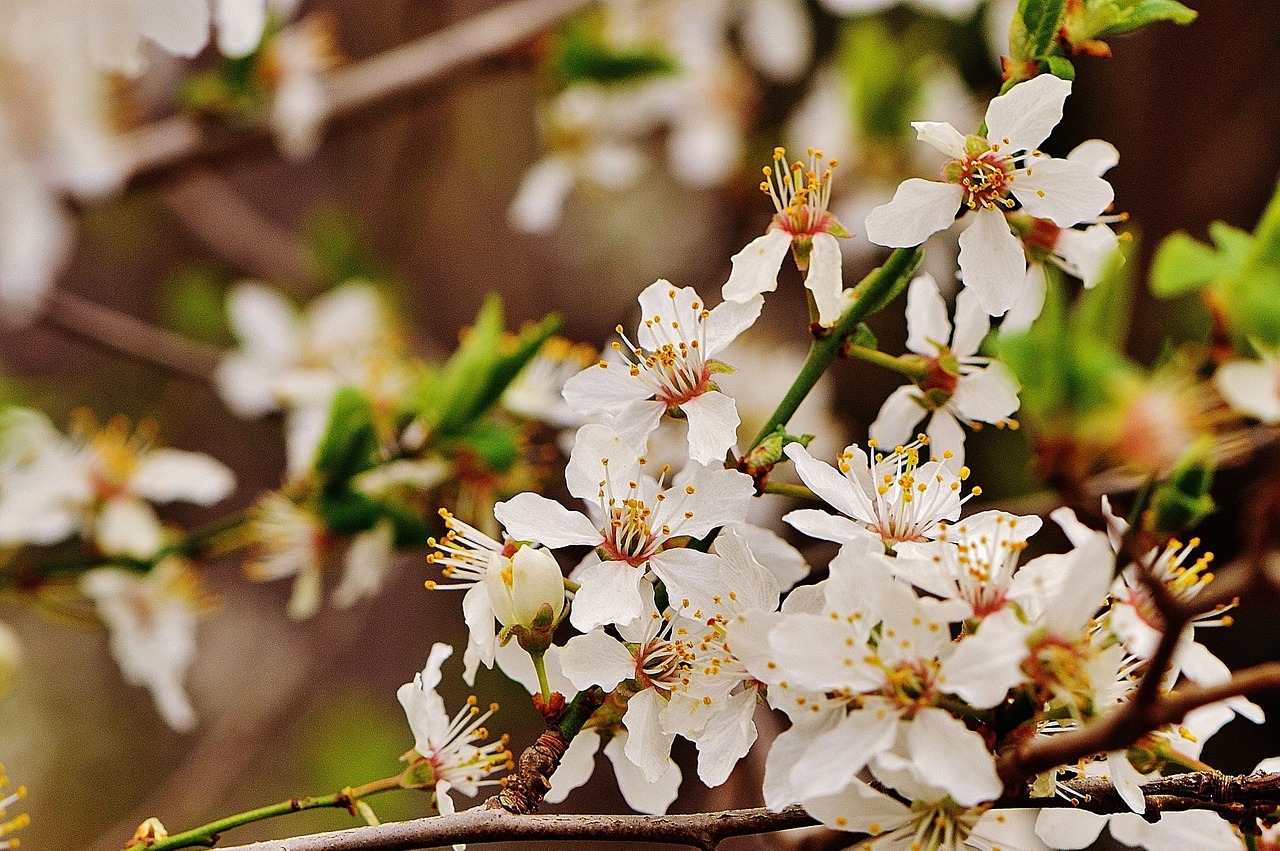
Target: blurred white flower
152, 619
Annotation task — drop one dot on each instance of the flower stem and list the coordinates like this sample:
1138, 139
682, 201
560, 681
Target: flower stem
870, 296
908, 366
788, 489
540, 665
206, 836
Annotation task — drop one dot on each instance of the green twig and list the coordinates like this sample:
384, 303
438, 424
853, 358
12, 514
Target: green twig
206, 836
794, 491
871, 296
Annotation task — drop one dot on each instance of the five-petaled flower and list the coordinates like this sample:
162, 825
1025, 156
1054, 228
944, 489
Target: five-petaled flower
805, 225
668, 369
959, 386
991, 175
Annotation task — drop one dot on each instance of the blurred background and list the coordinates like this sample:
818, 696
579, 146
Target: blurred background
419, 189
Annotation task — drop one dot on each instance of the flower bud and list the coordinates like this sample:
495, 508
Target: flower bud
520, 586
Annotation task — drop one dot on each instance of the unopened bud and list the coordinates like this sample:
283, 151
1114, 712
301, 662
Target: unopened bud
521, 586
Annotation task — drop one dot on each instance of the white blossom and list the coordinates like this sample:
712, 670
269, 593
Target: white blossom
990, 175
669, 369
961, 386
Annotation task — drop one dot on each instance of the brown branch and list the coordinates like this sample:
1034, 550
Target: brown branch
170, 142
701, 830
133, 337
219, 217
1128, 723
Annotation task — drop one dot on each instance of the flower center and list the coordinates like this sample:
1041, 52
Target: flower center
800, 194
628, 536
677, 369
985, 179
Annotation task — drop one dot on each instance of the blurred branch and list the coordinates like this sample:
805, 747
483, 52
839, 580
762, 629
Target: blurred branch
219, 217
170, 142
133, 337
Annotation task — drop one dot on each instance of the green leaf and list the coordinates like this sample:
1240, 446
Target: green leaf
497, 446
350, 442
1035, 29
1183, 265
584, 56
1104, 311
486, 362
347, 512
1140, 13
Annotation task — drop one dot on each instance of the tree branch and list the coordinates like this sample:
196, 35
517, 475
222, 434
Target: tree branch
133, 337
170, 142
701, 830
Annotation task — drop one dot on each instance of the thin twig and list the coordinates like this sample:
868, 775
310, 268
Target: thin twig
219, 217
173, 141
133, 337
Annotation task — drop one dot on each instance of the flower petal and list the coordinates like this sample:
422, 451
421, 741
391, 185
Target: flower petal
640, 793
755, 268
951, 756
1023, 117
919, 209
648, 744
986, 395
992, 261
713, 426
1029, 302
1252, 387
532, 517
824, 279
972, 325
895, 424
928, 327
1095, 154
240, 25
166, 475
1064, 192
945, 435
596, 659
610, 594
942, 136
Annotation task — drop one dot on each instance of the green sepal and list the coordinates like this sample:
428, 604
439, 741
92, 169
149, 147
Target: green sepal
494, 444
350, 442
949, 364
582, 55
1061, 67
760, 461
420, 774
864, 336
347, 512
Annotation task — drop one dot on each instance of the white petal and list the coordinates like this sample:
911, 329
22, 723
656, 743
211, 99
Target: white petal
992, 261
264, 322
895, 424
1029, 302
824, 279
859, 808
179, 26
610, 594
713, 426
604, 387
365, 565
783, 561
129, 527
585, 470
727, 738
641, 794
972, 324
1023, 117
595, 659
945, 435
982, 671
346, 319
304, 601
987, 395
777, 38
166, 475
727, 321
1068, 828
246, 385
830, 484
833, 759
1086, 253
755, 268
919, 209
942, 136
540, 198
240, 25
1097, 155
1064, 192
577, 764
648, 744
1127, 780
928, 327
531, 517
1192, 830
951, 756
689, 575
1252, 387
